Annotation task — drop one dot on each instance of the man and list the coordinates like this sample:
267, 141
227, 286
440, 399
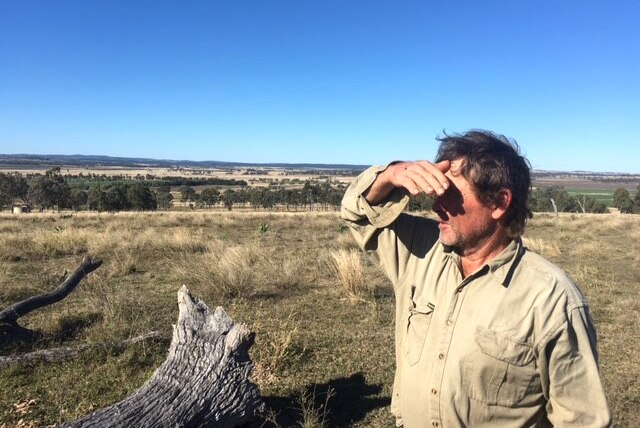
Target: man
488, 334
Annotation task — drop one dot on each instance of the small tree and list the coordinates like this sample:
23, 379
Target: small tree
627, 206
116, 198
589, 204
78, 199
421, 202
49, 190
187, 194
13, 187
621, 198
164, 200
554, 198
141, 197
210, 196
5, 194
229, 198
96, 199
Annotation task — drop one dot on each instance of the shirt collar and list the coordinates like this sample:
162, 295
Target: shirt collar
500, 267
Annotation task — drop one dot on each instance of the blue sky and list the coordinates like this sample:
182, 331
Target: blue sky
360, 82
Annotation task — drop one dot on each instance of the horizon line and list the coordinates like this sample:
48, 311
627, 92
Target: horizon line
133, 159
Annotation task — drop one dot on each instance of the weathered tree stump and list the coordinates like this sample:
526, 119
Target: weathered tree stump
203, 382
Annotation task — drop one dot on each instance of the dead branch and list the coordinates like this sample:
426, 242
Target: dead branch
66, 352
9, 317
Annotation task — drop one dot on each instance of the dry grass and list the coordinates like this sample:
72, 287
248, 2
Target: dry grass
313, 415
348, 267
294, 283
543, 247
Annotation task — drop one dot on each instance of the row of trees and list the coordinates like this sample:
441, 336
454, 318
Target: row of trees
51, 190
557, 199
312, 195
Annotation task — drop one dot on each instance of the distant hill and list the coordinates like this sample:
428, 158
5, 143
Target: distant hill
88, 161
26, 160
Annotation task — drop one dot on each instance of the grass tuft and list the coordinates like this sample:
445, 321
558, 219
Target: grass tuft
348, 268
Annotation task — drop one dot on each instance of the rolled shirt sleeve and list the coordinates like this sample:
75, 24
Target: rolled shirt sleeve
383, 229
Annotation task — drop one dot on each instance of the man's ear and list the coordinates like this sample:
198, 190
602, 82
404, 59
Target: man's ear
502, 205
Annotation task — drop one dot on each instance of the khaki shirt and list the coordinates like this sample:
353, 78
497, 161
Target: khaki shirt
511, 345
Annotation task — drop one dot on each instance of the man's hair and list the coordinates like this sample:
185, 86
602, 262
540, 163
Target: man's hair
492, 162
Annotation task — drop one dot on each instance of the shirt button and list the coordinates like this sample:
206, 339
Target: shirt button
434, 391
449, 322
440, 356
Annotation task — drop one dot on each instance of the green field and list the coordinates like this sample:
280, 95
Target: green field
600, 195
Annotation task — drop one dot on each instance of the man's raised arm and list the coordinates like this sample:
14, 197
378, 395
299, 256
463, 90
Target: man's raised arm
373, 204
416, 177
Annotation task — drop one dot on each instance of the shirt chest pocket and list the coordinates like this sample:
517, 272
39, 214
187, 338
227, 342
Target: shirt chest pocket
418, 321
499, 370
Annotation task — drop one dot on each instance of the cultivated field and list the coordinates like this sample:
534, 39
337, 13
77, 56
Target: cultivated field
322, 313
258, 177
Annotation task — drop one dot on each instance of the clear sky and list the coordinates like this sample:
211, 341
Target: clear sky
359, 82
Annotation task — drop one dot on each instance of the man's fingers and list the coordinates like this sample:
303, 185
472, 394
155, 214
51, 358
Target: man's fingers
434, 176
422, 176
443, 166
409, 184
421, 183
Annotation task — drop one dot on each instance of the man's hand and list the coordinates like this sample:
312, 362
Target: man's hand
416, 177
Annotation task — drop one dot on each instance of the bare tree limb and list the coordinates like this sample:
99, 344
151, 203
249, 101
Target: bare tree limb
10, 315
555, 207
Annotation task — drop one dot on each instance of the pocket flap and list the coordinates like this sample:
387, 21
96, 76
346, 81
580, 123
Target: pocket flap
423, 308
503, 348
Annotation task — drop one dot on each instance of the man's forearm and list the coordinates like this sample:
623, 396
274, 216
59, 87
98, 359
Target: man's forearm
380, 188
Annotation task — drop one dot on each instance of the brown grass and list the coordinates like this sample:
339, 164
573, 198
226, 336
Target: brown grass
300, 285
348, 267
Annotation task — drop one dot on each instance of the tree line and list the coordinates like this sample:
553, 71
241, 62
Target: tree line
558, 199
311, 196
54, 191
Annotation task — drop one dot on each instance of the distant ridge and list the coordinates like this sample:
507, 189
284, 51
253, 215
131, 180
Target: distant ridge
22, 160
113, 161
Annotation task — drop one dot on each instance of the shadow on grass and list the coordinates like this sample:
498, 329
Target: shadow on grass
15, 339
70, 326
340, 402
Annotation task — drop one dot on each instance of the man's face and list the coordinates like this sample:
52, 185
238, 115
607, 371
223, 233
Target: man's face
465, 223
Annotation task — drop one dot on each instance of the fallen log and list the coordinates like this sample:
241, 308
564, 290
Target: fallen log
203, 382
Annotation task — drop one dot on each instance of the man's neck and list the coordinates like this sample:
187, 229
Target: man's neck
472, 259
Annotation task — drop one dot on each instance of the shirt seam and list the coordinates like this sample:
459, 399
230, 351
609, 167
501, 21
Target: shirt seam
560, 324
